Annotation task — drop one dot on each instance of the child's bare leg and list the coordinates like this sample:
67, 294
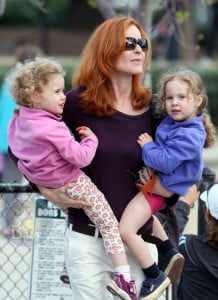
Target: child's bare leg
136, 214
158, 230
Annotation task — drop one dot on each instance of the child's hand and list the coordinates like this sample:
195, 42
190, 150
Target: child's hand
84, 131
144, 138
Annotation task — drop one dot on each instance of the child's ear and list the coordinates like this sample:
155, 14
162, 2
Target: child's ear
199, 100
35, 98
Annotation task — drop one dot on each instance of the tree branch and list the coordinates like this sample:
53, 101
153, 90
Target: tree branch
106, 9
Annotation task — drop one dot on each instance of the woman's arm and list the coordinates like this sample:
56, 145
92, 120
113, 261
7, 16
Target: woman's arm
60, 198
57, 196
183, 205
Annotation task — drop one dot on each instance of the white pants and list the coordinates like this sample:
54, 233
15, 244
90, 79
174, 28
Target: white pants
90, 269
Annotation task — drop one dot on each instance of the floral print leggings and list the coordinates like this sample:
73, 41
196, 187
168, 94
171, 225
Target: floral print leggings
100, 213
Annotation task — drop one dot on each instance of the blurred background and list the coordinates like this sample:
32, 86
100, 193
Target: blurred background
183, 33
179, 29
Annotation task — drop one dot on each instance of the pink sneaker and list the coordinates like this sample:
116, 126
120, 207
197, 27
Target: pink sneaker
122, 289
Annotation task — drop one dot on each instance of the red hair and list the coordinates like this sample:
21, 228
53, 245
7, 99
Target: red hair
97, 62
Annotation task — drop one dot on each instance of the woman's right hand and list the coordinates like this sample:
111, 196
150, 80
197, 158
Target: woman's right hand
191, 196
59, 197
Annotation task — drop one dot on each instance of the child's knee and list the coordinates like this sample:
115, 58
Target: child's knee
124, 233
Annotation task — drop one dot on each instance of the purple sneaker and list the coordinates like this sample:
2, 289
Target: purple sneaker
123, 289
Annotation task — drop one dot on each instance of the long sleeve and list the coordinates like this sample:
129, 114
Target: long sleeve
176, 153
48, 155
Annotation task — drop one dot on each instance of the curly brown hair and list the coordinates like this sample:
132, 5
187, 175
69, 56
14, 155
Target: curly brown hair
29, 77
197, 88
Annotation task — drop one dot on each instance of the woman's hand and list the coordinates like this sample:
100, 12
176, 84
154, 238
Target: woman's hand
191, 196
59, 197
145, 176
159, 189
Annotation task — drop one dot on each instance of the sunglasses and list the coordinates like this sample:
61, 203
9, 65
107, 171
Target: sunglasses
131, 43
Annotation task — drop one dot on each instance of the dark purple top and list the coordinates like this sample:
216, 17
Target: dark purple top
117, 153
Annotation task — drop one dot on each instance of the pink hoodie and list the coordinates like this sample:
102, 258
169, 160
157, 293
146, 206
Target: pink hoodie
48, 154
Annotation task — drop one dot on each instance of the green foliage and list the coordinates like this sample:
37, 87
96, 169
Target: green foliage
23, 12
182, 16
20, 12
91, 3
3, 71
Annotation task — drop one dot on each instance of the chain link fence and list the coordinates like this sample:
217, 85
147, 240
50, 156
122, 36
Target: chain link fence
31, 246
15, 207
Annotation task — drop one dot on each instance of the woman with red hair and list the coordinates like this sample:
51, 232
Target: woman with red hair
108, 97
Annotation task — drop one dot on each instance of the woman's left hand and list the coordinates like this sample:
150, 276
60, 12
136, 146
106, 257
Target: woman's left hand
145, 175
